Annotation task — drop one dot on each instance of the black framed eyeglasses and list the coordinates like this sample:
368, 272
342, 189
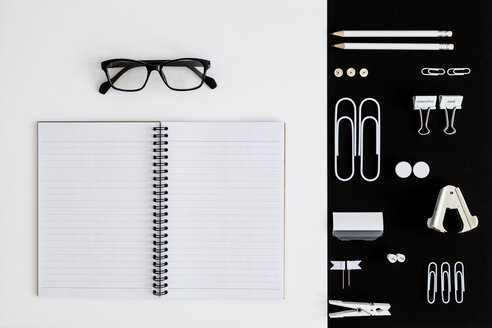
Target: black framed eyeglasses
181, 74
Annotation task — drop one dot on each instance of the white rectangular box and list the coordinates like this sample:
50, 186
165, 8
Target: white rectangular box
358, 225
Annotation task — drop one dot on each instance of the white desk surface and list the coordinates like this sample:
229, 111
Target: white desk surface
269, 60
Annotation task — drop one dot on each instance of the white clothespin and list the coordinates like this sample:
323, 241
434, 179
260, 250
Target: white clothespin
360, 309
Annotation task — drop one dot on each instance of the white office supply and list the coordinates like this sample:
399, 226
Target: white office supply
353, 127
351, 72
338, 72
401, 257
352, 265
459, 282
360, 309
339, 266
392, 33
445, 282
394, 46
357, 225
422, 103
178, 209
403, 169
450, 197
450, 102
428, 71
431, 282
391, 258
363, 72
421, 169
458, 71
377, 123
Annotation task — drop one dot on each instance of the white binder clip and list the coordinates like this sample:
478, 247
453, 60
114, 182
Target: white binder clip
450, 102
450, 197
360, 309
427, 103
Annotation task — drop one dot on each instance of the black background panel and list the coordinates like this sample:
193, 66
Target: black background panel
463, 160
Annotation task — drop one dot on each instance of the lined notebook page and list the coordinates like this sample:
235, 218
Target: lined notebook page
95, 209
226, 210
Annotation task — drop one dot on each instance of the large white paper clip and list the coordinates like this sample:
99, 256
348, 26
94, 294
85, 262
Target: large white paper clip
447, 103
360, 309
431, 282
353, 134
357, 135
459, 282
422, 103
377, 123
450, 197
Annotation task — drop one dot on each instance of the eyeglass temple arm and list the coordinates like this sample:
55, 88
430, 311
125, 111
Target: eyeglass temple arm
105, 86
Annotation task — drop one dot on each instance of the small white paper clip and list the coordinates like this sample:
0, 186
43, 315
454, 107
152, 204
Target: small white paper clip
431, 282
360, 309
353, 133
458, 71
427, 103
459, 282
430, 71
445, 282
377, 122
340, 266
450, 102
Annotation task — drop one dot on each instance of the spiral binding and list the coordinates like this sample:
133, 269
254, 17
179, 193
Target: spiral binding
160, 211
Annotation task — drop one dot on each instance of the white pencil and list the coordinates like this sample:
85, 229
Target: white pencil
393, 34
394, 46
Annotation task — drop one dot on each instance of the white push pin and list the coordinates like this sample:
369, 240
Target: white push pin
400, 257
392, 258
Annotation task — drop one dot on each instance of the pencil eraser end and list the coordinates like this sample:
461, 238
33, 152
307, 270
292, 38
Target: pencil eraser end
449, 33
451, 46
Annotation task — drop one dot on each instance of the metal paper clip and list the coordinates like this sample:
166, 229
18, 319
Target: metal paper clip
450, 102
458, 71
421, 103
377, 122
450, 197
445, 280
459, 273
431, 280
354, 136
428, 71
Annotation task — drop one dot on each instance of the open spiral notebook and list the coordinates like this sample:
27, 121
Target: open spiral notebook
161, 209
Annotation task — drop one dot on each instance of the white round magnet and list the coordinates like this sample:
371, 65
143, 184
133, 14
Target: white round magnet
421, 170
403, 169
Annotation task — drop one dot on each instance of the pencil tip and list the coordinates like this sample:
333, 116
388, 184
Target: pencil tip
338, 33
339, 45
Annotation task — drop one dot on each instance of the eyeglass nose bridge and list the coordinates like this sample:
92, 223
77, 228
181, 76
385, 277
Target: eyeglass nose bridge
156, 67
